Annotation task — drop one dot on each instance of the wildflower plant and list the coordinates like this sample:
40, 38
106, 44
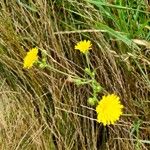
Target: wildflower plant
109, 108
30, 58
84, 47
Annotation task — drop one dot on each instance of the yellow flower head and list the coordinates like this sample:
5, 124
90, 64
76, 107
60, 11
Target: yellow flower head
83, 46
109, 109
30, 58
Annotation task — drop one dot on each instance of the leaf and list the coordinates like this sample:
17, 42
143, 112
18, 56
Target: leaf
117, 35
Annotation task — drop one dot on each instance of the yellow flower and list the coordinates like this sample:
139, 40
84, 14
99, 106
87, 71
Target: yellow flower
30, 58
83, 46
109, 109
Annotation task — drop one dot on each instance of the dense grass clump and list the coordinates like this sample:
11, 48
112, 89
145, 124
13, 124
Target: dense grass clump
42, 107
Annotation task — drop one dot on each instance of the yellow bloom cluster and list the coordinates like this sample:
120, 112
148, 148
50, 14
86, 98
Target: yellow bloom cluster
83, 46
109, 109
30, 58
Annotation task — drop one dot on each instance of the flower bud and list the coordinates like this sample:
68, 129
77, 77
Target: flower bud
91, 101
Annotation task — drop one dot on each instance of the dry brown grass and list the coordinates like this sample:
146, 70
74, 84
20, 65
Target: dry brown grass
41, 109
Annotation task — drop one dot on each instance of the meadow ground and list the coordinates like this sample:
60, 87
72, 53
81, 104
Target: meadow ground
46, 107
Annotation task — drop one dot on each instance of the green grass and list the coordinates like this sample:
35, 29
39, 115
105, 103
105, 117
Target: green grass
41, 108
